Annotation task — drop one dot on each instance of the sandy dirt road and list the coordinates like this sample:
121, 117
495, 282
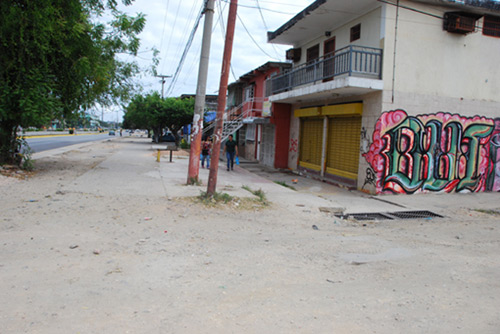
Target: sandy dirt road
81, 256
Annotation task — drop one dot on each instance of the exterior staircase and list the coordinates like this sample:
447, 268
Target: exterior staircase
232, 120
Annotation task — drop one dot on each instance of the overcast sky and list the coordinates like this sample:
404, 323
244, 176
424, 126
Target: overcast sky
170, 22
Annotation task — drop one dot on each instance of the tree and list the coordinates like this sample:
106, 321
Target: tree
154, 113
59, 58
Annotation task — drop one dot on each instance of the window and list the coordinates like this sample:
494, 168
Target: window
491, 26
249, 92
356, 32
250, 134
312, 53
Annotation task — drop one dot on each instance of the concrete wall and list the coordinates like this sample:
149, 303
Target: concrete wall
370, 35
432, 62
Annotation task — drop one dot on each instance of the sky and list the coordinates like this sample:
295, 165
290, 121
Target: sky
170, 22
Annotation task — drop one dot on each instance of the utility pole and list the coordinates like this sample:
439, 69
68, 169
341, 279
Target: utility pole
221, 100
199, 102
163, 77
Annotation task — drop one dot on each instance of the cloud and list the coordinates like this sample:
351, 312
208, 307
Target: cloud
169, 23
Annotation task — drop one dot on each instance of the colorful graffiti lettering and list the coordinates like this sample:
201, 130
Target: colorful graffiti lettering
435, 152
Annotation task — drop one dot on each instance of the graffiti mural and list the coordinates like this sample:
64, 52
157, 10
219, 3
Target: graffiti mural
435, 152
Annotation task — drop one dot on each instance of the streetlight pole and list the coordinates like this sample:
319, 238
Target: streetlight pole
199, 102
163, 77
221, 100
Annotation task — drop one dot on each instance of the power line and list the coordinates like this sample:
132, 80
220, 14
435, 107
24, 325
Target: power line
185, 30
265, 26
164, 25
251, 37
171, 34
186, 49
255, 7
477, 26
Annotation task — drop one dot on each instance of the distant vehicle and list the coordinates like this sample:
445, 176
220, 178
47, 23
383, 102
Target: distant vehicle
111, 133
168, 138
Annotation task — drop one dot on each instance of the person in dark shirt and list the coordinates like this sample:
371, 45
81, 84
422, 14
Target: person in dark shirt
206, 146
231, 151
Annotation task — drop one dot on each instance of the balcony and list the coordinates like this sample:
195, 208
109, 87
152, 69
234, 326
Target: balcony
351, 61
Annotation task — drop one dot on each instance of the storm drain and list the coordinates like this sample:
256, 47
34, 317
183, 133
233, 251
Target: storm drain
419, 214
364, 216
415, 214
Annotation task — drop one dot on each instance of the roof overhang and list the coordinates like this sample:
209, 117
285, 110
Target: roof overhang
264, 68
320, 15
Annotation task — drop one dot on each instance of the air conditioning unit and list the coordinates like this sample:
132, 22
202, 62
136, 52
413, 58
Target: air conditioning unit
458, 23
293, 54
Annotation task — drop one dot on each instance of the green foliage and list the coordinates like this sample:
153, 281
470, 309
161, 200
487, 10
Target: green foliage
59, 58
216, 198
259, 193
184, 144
284, 184
489, 211
154, 113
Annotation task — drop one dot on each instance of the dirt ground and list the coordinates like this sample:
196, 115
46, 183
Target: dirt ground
82, 261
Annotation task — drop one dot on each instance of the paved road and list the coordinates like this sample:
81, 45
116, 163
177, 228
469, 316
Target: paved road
48, 143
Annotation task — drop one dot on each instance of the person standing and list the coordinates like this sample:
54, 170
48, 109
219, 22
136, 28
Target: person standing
206, 147
231, 151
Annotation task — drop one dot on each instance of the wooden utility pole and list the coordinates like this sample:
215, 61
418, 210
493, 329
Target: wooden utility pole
221, 100
163, 77
199, 102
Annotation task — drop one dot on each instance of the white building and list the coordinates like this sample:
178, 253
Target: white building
394, 96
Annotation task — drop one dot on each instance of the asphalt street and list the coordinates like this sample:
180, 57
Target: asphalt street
40, 144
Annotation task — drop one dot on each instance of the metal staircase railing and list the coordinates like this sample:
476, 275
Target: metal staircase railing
234, 121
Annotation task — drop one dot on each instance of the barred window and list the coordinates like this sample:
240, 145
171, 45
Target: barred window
491, 26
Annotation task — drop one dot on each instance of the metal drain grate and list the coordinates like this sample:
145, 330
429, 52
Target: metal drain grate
415, 214
419, 214
364, 216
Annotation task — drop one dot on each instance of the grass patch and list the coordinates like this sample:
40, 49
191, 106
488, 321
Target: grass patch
206, 199
489, 211
259, 193
283, 183
224, 201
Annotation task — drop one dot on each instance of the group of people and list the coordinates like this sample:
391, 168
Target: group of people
230, 149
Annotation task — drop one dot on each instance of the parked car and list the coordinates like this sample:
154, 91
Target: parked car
111, 133
168, 137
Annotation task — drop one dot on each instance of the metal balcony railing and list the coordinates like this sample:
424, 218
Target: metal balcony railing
351, 61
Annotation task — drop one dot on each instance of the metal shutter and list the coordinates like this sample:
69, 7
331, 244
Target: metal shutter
311, 141
343, 146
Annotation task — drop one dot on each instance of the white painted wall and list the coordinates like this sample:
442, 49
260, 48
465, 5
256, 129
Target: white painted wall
370, 34
433, 62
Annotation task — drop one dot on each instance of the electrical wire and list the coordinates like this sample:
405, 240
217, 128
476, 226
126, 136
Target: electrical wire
185, 30
265, 26
170, 37
253, 40
164, 25
477, 26
255, 7
186, 49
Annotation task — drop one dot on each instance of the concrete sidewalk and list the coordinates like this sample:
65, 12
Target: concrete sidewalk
134, 168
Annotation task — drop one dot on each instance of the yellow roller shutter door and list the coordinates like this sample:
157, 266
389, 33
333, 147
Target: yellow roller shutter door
343, 146
311, 143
